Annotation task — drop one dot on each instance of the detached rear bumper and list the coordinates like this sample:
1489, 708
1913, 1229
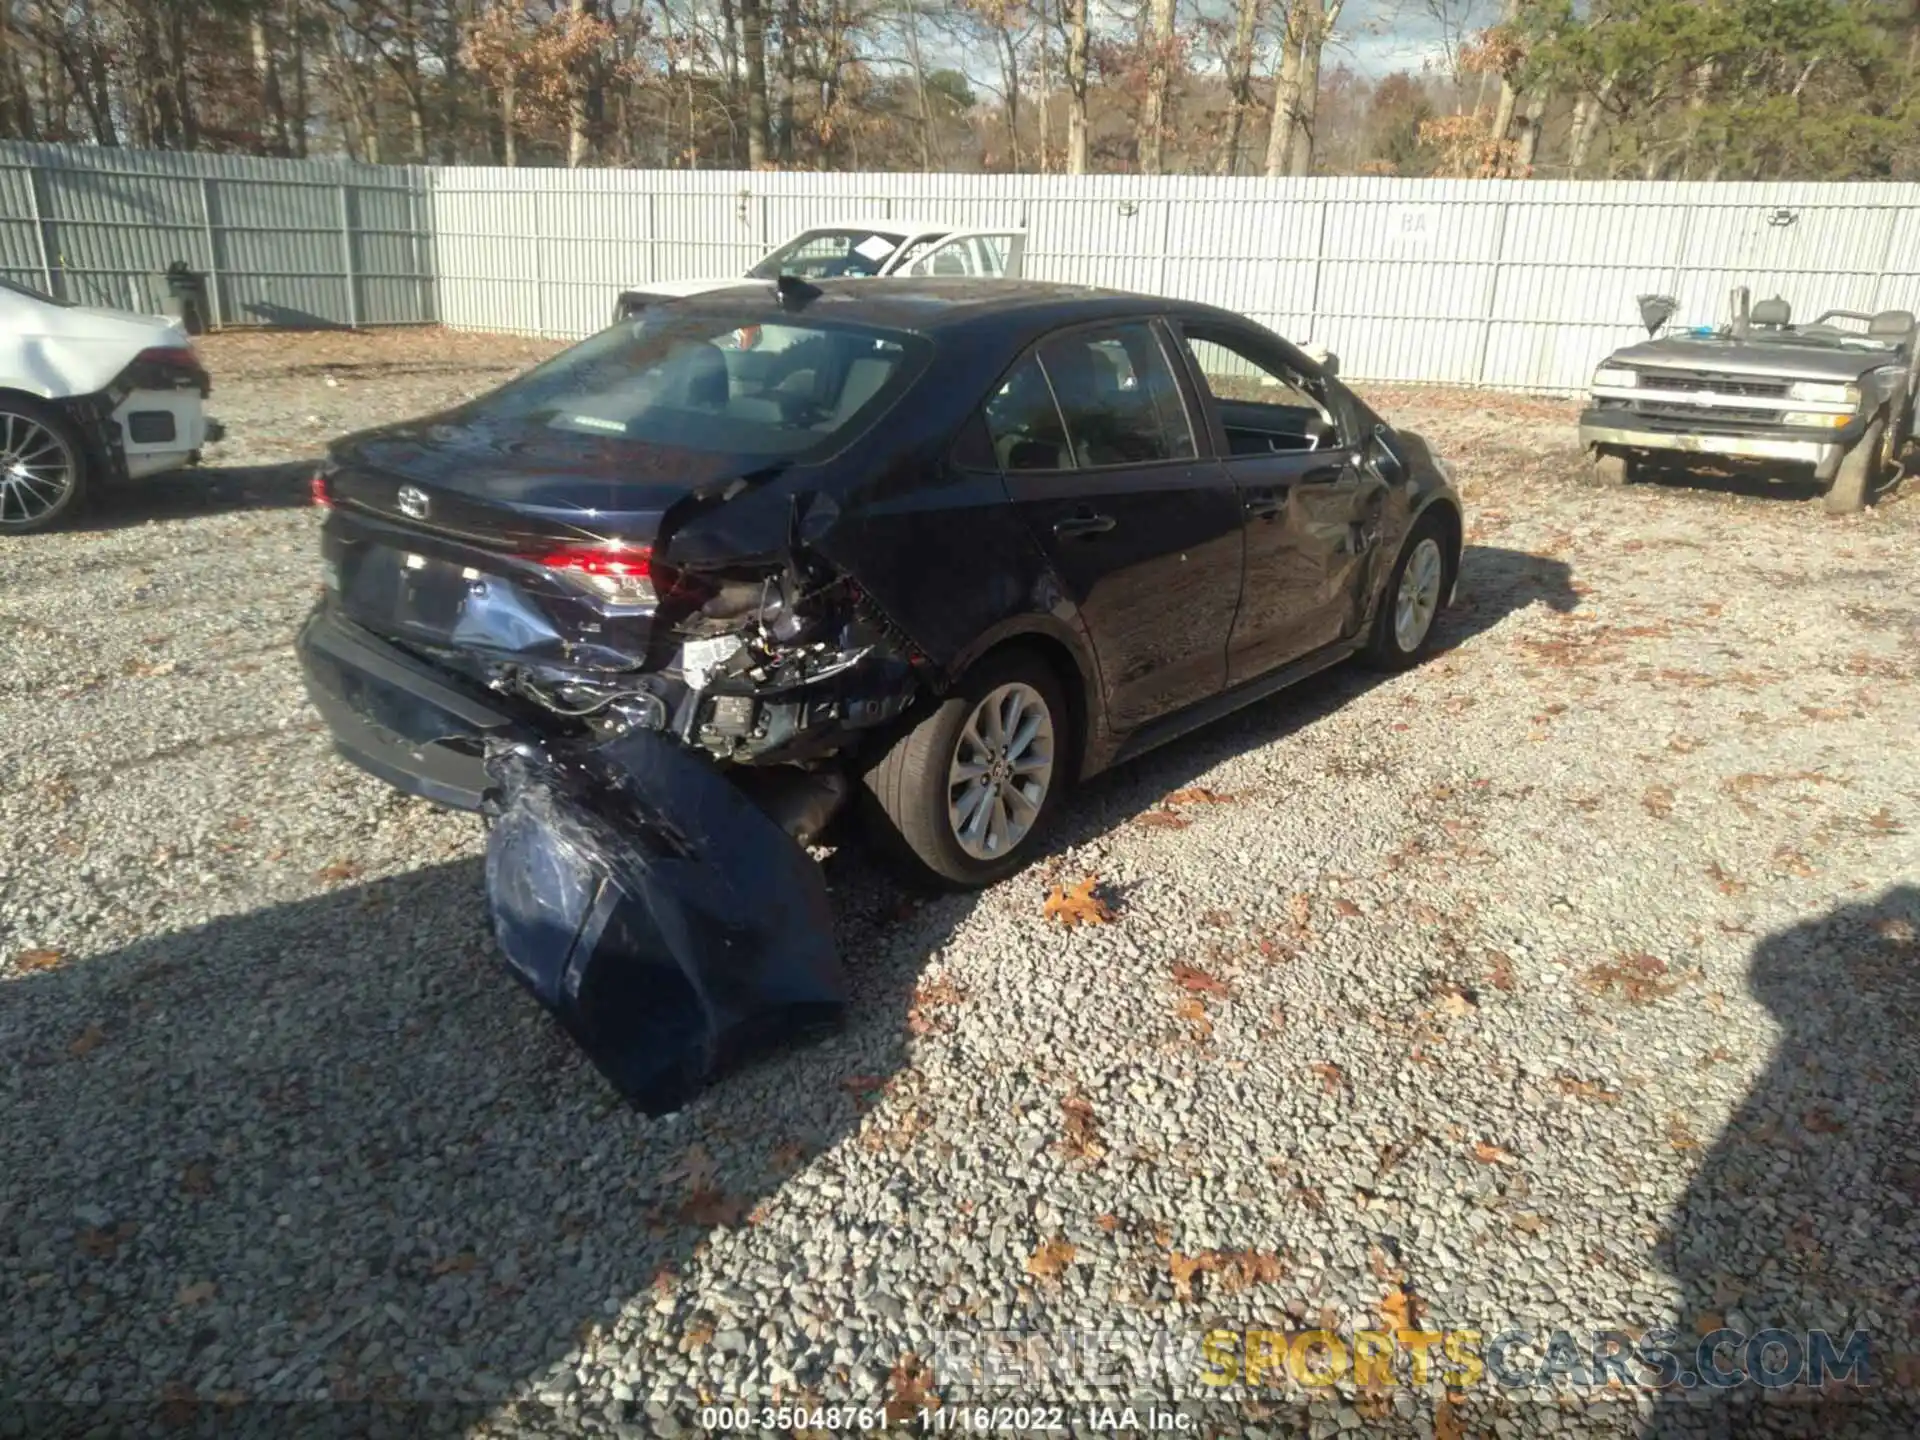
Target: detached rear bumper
396, 717
1627, 432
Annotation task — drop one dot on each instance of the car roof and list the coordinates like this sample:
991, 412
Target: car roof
894, 225
937, 304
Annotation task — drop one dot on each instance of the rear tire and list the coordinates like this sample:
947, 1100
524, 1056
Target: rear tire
1612, 469
43, 466
963, 799
1408, 611
1854, 481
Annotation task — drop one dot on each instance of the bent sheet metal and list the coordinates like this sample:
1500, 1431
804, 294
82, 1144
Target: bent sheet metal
669, 924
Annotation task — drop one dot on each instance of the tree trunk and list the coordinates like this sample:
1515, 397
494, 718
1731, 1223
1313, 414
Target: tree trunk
1586, 122
509, 137
1321, 20
920, 86
1046, 92
1010, 80
1239, 83
1527, 148
579, 140
1153, 113
789, 75
273, 111
753, 35
1076, 86
1286, 90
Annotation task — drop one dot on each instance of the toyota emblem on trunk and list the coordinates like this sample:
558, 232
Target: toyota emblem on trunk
412, 502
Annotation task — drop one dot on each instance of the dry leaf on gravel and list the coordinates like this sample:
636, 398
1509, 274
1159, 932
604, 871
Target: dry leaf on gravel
1487, 1153
1401, 1308
88, 1041
1051, 1260
1332, 1078
1446, 1422
1194, 1011
1083, 1129
338, 871
1638, 979
910, 1389
1456, 1003
1197, 981
931, 998
1586, 1090
1079, 906
1233, 1270
1163, 820
1500, 971
196, 1293
32, 962
1658, 801
1300, 910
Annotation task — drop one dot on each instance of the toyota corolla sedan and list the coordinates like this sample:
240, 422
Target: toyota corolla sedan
943, 549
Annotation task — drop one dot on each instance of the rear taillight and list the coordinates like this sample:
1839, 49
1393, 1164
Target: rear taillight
618, 574
322, 496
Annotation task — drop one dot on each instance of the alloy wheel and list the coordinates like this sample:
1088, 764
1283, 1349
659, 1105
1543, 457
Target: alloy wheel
1001, 769
1419, 596
37, 471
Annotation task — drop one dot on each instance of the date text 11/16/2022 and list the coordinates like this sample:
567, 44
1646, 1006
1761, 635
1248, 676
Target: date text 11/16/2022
948, 1419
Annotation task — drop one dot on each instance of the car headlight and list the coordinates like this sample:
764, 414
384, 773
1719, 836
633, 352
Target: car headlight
1816, 392
1615, 377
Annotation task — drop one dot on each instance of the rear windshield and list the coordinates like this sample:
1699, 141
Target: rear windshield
830, 255
786, 389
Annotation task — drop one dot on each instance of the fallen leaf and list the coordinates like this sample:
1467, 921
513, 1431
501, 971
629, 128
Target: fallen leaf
1234, 1270
1708, 1321
1332, 1077
338, 871
929, 999
1638, 978
1679, 1136
1197, 795
788, 1155
1586, 1090
1050, 1261
1078, 906
1487, 1153
1193, 979
1194, 1010
1723, 880
1446, 1421
1456, 1003
88, 1041
1500, 971
1658, 802
1346, 907
460, 1264
910, 1389
863, 1089
32, 962
712, 1209
1108, 1223
1400, 1309
696, 1336
1528, 1223
1083, 1130
1300, 909
197, 1293
1163, 820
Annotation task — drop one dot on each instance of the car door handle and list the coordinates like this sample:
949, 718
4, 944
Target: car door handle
1265, 505
1085, 523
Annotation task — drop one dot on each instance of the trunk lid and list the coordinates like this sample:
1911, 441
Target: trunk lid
448, 533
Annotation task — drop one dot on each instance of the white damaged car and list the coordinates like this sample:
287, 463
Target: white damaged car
89, 396
860, 249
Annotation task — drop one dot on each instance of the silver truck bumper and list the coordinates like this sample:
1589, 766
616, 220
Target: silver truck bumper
1820, 454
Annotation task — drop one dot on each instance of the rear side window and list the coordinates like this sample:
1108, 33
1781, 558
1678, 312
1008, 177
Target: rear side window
1024, 423
1118, 397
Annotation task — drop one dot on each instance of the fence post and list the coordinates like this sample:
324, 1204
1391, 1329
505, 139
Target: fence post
39, 228
539, 262
213, 252
346, 255
1313, 334
1886, 260
1493, 293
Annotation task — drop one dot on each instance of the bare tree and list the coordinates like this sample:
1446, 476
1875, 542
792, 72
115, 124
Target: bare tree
1076, 16
1239, 82
1153, 113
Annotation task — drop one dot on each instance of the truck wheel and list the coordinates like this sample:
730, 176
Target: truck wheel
1612, 469
1853, 482
964, 795
43, 466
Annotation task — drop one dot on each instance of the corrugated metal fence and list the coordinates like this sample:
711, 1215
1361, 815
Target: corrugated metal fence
1516, 285
282, 242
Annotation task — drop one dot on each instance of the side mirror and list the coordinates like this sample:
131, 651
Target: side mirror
1386, 462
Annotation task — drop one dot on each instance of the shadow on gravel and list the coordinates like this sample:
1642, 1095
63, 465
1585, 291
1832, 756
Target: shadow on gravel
1805, 1214
198, 491
331, 1150
1495, 583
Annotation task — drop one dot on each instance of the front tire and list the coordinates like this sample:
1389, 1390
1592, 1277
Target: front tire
1854, 481
43, 466
1612, 469
1409, 608
966, 793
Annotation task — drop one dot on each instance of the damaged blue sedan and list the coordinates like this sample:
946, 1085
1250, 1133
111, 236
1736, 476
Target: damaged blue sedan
934, 549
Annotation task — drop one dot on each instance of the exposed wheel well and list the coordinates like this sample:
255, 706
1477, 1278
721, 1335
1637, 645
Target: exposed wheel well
1450, 522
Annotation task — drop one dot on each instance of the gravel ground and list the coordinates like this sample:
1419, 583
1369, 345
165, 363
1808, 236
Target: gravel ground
1568, 982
